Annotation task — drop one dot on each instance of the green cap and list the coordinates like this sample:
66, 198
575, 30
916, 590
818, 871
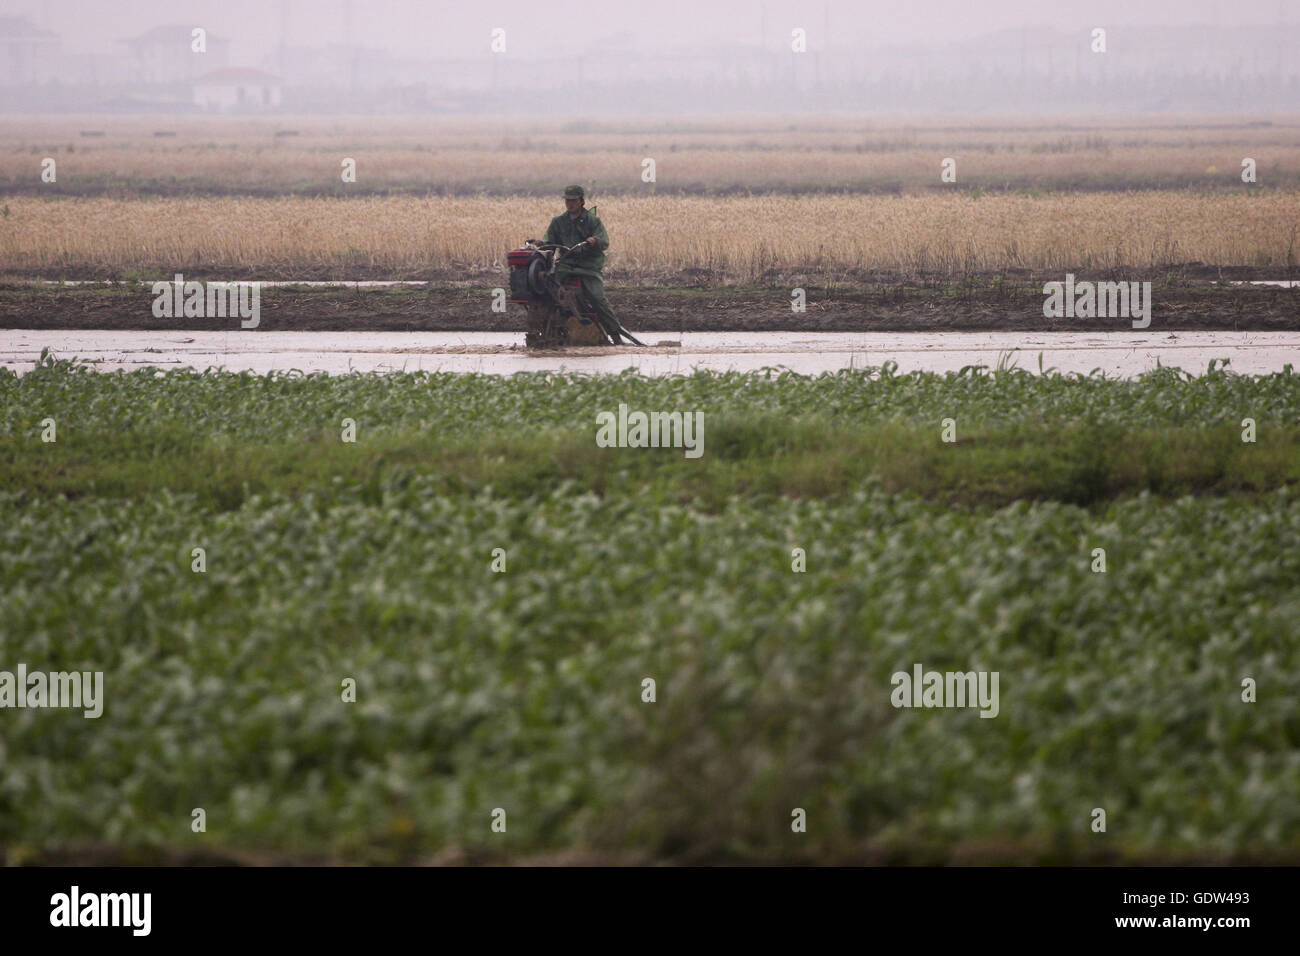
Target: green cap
574, 192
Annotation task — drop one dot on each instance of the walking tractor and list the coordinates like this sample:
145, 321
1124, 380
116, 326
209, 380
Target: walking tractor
559, 312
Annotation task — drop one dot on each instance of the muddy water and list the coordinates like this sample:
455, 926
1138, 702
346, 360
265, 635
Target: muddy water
501, 353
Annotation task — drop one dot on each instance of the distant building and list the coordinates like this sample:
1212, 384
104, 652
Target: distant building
27, 54
238, 90
166, 55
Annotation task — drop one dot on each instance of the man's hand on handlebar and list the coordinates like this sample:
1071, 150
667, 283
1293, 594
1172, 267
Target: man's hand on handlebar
562, 250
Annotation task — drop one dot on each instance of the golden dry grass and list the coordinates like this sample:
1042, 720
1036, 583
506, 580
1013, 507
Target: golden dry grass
736, 238
511, 156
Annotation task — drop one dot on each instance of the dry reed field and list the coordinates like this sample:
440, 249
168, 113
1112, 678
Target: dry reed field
736, 238
503, 156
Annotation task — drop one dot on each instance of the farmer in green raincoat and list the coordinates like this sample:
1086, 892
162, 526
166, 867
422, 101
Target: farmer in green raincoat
576, 224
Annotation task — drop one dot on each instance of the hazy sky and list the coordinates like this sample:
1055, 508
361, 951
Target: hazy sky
570, 26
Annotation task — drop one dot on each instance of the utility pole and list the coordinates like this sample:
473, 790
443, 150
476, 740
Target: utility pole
825, 51
349, 49
284, 37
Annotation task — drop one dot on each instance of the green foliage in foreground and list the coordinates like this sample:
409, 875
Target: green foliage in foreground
522, 690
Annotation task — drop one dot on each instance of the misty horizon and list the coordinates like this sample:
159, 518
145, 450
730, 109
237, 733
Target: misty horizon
870, 57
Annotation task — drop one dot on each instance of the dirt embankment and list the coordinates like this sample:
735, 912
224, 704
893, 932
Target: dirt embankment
1186, 305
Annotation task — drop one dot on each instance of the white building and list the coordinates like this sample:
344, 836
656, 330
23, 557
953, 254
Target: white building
238, 90
166, 55
27, 54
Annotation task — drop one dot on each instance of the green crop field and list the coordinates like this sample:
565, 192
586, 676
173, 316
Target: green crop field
521, 687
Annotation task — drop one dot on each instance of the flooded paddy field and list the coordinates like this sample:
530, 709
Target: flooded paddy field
1117, 354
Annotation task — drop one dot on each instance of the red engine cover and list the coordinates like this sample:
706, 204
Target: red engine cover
519, 258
